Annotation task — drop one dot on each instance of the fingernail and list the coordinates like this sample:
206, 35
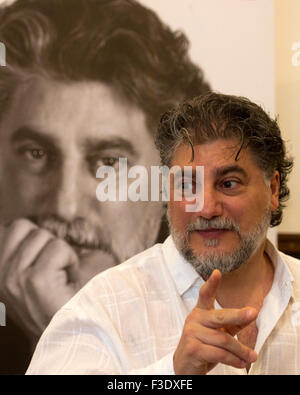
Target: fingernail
250, 313
253, 356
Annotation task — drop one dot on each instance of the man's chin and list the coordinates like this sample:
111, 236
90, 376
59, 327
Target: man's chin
216, 247
208, 260
226, 259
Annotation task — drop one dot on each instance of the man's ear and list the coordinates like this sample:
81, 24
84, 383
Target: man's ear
274, 189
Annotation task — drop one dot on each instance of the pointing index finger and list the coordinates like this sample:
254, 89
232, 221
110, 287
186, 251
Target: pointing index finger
207, 293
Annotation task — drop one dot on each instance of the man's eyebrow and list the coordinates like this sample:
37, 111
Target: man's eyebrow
219, 172
95, 144
222, 171
28, 133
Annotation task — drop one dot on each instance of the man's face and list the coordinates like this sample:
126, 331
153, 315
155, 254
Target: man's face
52, 141
238, 201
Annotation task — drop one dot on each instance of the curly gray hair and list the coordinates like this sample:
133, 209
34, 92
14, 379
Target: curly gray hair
214, 116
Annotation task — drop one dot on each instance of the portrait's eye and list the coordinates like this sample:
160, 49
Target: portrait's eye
110, 161
96, 161
34, 159
35, 154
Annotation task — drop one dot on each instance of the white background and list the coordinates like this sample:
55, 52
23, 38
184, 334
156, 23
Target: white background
232, 40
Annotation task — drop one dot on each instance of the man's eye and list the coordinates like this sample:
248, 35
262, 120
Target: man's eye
183, 185
34, 159
108, 161
95, 162
230, 184
187, 186
35, 154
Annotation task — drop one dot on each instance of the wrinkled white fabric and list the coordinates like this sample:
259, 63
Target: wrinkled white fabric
129, 319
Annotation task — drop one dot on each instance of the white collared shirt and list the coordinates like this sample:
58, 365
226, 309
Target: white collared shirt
129, 319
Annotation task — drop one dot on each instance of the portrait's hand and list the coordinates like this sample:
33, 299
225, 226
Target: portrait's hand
208, 334
37, 274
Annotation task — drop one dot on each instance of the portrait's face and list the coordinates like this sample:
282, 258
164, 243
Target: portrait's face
238, 202
52, 141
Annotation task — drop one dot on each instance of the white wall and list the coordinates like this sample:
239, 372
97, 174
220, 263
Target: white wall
233, 40
288, 99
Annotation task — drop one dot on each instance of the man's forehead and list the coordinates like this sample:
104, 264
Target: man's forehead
91, 114
225, 149
219, 156
51, 93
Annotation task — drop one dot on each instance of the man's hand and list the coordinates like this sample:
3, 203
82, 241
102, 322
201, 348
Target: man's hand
208, 334
37, 274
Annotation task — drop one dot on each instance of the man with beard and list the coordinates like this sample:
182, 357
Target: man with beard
216, 297
84, 85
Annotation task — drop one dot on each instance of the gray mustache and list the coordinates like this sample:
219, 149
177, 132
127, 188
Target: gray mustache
78, 233
214, 223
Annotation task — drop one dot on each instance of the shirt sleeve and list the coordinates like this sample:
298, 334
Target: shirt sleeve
77, 344
73, 345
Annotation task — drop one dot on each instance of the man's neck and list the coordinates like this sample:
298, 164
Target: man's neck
248, 285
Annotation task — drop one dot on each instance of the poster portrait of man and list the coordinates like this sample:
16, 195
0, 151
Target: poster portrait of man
84, 84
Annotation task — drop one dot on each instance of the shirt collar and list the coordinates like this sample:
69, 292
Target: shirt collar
182, 272
277, 299
282, 273
184, 275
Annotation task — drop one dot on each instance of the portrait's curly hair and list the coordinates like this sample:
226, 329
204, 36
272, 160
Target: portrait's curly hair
216, 116
118, 42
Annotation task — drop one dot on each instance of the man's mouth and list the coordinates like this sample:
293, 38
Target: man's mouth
212, 233
82, 251
88, 250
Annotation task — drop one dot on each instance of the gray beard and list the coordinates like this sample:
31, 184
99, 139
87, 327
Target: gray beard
207, 262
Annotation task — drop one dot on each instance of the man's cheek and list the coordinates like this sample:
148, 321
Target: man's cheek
23, 196
178, 215
14, 199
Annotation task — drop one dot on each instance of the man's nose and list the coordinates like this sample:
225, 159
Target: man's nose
212, 205
66, 199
